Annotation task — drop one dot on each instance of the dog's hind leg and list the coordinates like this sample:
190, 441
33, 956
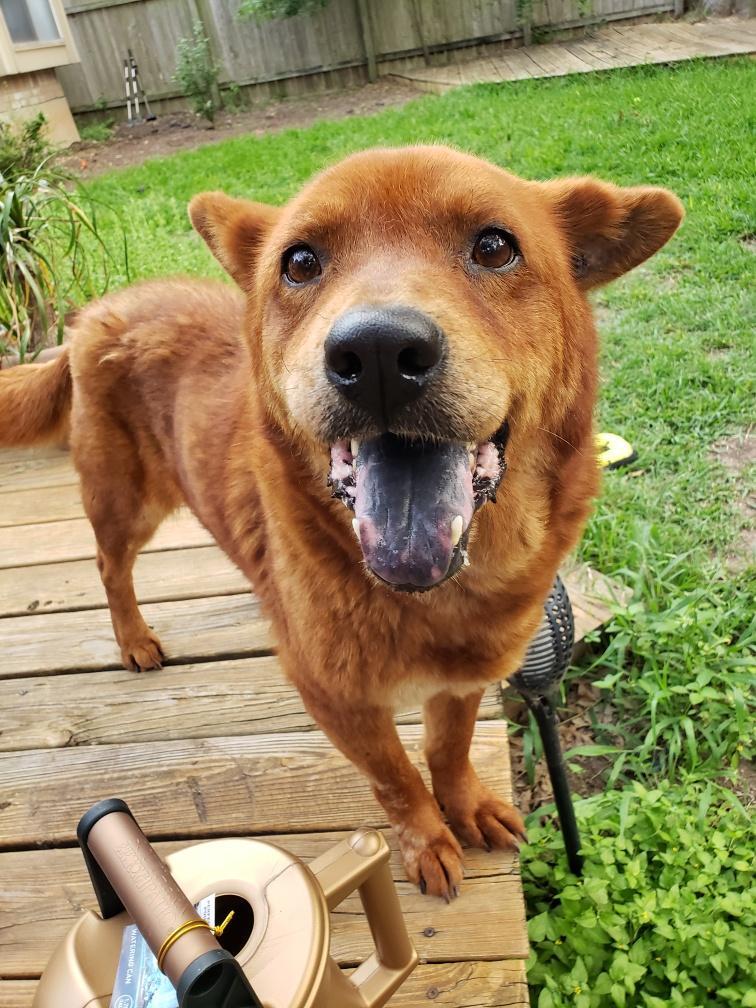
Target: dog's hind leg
478, 816
125, 510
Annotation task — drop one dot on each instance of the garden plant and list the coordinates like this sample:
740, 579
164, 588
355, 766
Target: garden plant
52, 256
197, 73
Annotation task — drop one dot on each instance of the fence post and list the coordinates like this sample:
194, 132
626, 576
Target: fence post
202, 16
417, 23
366, 28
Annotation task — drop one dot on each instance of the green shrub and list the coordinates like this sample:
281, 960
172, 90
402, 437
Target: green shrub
197, 73
663, 915
678, 669
265, 10
234, 100
51, 252
23, 147
97, 132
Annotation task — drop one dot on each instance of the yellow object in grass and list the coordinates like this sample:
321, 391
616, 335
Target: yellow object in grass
613, 451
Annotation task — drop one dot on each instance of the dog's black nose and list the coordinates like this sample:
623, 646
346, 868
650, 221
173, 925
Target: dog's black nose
383, 358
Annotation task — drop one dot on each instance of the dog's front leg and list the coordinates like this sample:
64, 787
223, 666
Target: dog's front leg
478, 816
367, 736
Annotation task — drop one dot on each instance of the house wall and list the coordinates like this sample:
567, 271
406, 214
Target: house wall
28, 83
22, 96
24, 57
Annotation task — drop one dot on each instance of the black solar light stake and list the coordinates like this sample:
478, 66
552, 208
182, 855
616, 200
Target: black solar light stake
537, 680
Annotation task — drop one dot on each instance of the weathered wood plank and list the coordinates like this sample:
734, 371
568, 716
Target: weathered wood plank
634, 46
592, 59
609, 51
514, 66
27, 470
50, 888
739, 33
612, 46
17, 993
293, 782
73, 539
473, 984
199, 572
479, 984
248, 696
42, 504
191, 630
710, 44
660, 46
549, 58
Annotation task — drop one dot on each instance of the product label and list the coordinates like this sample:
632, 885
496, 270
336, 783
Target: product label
139, 983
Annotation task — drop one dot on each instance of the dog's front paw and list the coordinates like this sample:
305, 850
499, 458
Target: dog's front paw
433, 860
142, 652
480, 818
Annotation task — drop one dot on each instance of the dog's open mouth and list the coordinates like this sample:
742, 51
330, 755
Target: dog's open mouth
414, 501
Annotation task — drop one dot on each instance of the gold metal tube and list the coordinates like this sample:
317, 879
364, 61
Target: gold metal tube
150, 894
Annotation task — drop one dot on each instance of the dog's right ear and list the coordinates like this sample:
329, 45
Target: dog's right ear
234, 230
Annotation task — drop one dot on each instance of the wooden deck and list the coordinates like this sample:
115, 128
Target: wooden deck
215, 744
604, 49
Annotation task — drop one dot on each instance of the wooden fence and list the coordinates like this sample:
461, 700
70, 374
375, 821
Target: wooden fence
346, 43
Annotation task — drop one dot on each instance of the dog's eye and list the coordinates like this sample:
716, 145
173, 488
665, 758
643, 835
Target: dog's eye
300, 264
494, 249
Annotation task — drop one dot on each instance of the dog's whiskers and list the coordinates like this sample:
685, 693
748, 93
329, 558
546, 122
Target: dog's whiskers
559, 436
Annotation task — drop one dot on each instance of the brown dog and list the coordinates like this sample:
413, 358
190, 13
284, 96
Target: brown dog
408, 319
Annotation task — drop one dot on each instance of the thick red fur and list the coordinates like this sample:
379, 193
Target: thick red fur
191, 391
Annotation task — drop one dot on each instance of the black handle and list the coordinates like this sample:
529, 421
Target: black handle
215, 980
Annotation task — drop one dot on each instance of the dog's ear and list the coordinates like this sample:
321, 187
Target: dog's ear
234, 230
609, 230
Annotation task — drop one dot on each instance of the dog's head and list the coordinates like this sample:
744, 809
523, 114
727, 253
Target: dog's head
406, 307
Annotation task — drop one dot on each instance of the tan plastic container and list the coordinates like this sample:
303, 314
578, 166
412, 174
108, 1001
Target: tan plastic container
280, 934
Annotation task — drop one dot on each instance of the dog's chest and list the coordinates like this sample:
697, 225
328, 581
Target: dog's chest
414, 693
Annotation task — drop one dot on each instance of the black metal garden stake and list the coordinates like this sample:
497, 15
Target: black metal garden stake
537, 680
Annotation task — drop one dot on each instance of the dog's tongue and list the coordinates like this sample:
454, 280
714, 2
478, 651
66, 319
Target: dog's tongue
408, 497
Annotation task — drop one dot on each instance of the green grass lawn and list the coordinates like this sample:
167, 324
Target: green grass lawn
662, 914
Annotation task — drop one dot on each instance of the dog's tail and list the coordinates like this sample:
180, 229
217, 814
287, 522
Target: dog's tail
35, 402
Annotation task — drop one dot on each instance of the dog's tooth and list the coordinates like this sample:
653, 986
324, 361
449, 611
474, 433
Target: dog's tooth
457, 526
355, 446
465, 559
356, 526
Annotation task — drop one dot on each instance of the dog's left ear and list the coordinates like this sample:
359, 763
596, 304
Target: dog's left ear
234, 230
610, 229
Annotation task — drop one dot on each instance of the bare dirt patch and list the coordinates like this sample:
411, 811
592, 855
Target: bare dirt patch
744, 785
131, 145
737, 454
